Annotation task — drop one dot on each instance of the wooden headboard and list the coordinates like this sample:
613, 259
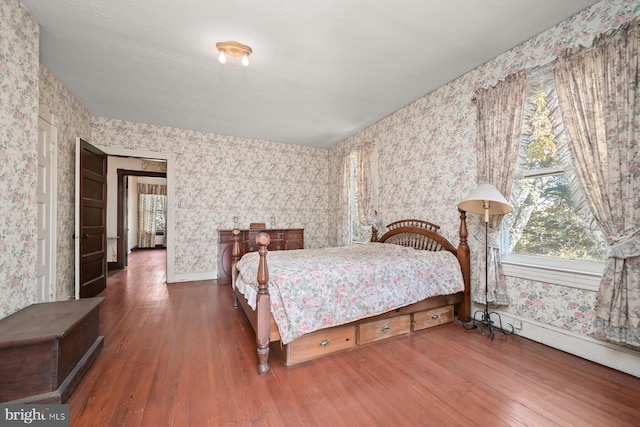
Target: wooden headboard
423, 235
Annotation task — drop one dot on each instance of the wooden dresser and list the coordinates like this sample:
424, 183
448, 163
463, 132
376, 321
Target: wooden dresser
282, 239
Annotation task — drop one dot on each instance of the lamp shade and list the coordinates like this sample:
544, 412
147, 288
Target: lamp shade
475, 201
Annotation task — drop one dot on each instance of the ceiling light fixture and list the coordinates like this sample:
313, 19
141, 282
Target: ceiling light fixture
234, 49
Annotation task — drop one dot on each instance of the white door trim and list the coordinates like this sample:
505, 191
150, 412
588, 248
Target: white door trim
47, 123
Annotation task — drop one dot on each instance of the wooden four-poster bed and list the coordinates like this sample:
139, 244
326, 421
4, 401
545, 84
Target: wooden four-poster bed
342, 305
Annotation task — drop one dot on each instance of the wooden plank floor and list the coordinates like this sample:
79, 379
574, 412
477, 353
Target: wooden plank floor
180, 355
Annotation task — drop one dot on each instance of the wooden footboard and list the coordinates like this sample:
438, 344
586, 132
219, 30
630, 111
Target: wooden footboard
263, 306
260, 318
428, 239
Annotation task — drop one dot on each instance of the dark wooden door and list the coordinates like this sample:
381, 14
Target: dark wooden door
91, 218
123, 220
124, 235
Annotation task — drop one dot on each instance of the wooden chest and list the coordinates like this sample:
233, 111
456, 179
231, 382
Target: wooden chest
320, 343
47, 348
434, 317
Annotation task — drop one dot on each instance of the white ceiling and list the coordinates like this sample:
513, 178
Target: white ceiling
320, 70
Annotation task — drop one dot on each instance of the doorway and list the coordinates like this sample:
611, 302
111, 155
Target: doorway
170, 175
123, 214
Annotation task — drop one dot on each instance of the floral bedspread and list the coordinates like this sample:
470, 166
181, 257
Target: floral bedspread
312, 289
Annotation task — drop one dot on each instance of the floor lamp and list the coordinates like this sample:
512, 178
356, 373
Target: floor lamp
486, 200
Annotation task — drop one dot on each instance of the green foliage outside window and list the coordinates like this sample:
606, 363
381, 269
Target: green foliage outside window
160, 218
548, 221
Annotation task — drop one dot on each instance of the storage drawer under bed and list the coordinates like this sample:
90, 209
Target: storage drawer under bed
384, 328
333, 340
434, 317
320, 343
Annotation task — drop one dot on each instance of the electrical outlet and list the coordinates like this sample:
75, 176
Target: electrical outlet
517, 324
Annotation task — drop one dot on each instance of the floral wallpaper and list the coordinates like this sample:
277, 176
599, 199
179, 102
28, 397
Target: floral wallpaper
427, 157
219, 177
560, 306
153, 166
19, 52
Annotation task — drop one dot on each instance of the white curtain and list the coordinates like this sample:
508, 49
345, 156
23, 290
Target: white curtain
151, 199
366, 156
343, 236
598, 92
500, 111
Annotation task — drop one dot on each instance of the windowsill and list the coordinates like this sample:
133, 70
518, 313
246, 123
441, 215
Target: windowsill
576, 274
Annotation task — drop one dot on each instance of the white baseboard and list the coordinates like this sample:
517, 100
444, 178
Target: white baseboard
602, 352
192, 277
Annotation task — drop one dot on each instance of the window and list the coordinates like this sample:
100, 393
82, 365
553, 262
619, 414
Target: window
161, 209
549, 217
359, 233
158, 204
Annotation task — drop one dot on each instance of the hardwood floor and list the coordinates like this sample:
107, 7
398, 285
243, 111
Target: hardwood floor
180, 355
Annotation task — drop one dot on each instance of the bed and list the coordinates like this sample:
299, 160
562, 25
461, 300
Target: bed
321, 301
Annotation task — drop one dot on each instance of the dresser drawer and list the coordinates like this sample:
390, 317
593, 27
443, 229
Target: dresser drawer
384, 328
276, 238
275, 245
320, 343
225, 236
276, 234
434, 317
250, 236
294, 234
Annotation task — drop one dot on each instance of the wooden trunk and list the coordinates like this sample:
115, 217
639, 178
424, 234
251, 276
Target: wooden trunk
47, 348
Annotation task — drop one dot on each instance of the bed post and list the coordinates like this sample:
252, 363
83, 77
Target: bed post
235, 257
263, 306
464, 257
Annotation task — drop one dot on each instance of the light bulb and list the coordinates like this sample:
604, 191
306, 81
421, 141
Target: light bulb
222, 58
245, 60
